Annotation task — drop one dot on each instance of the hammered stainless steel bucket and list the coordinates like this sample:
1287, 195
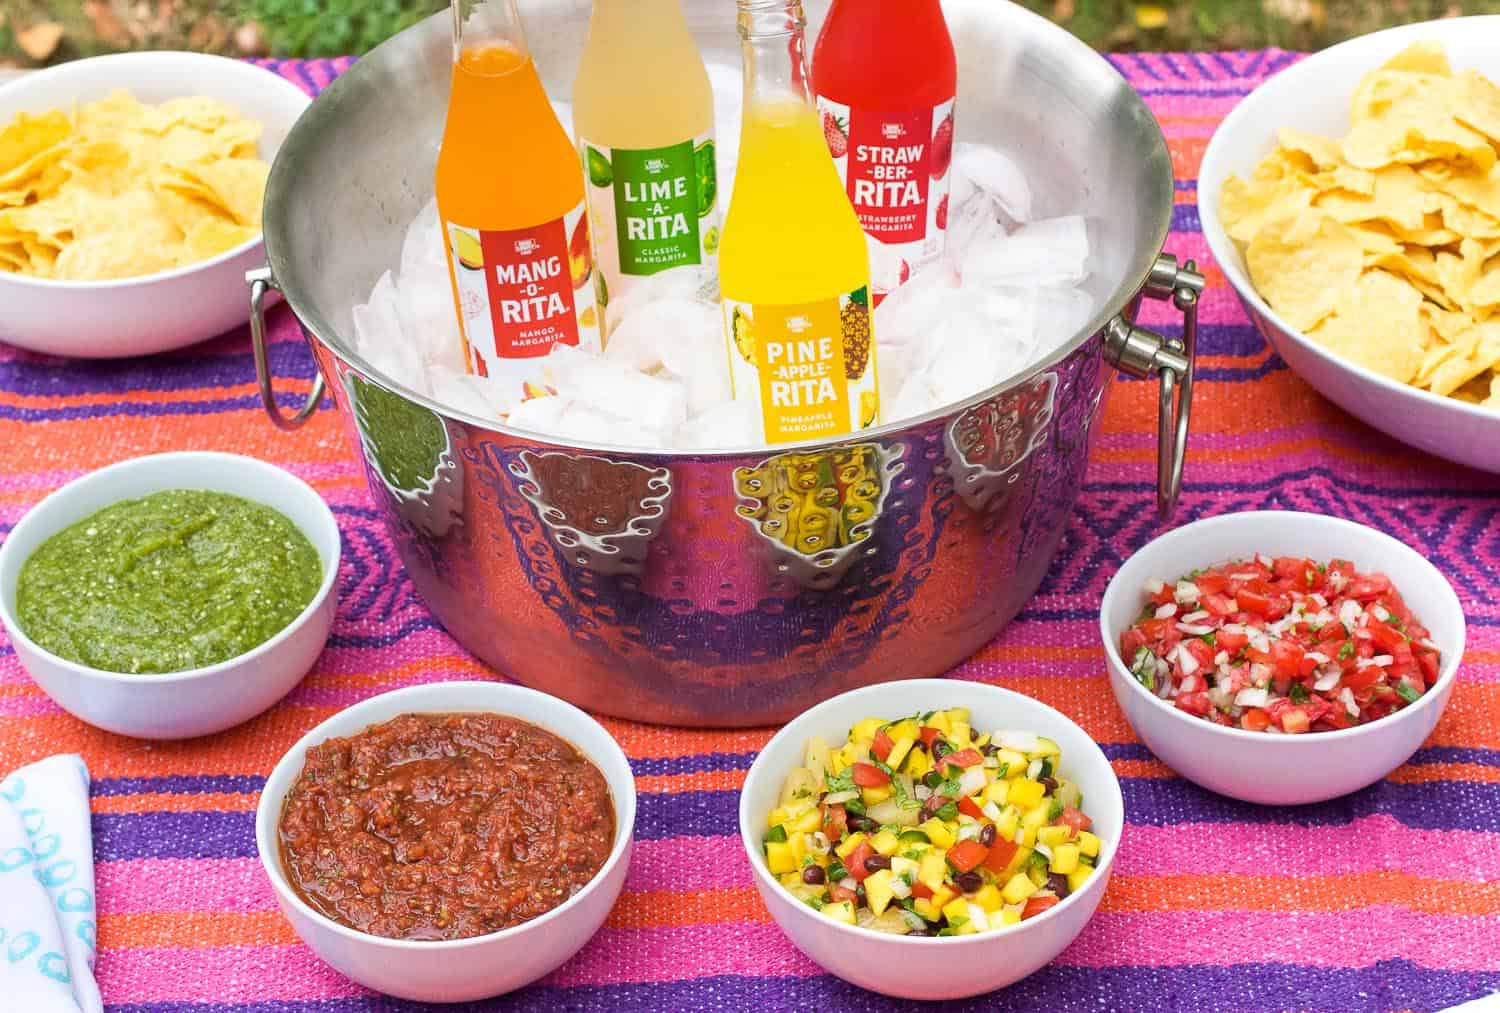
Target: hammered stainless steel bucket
732, 589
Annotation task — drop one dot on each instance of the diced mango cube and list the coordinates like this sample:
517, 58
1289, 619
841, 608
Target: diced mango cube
1008, 823
1046, 747
958, 714
836, 762
931, 869
988, 897
1018, 888
779, 858
791, 880
917, 764
961, 734
797, 842
1088, 844
843, 911
904, 868
939, 720
885, 842
1012, 759
878, 890
956, 910
848, 844
875, 796
942, 896
1053, 836
938, 833
816, 757
924, 909
865, 730
807, 822
1078, 877
997, 792
898, 751
778, 815
1009, 916
1025, 793
980, 741
1017, 862
1064, 859
904, 729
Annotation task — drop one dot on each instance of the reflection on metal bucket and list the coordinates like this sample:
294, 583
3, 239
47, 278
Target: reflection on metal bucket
602, 514
987, 442
815, 509
409, 448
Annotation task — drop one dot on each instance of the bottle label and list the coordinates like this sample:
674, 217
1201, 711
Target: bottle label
522, 291
895, 167
809, 366
653, 208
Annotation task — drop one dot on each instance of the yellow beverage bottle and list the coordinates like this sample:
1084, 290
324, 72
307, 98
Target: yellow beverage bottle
794, 270
511, 201
643, 115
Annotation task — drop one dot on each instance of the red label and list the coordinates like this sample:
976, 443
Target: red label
530, 283
889, 159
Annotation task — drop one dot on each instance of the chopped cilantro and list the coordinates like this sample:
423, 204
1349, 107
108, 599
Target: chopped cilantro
816, 903
949, 811
1407, 693
1002, 771
1347, 651
1299, 693
903, 800
855, 807
1143, 667
777, 834
1055, 810
1210, 638
837, 873
950, 788
1392, 619
840, 782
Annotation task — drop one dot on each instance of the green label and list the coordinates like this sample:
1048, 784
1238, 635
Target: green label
656, 208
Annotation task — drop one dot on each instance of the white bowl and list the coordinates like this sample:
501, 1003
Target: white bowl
931, 967
1256, 766
1314, 95
458, 970
169, 309
199, 701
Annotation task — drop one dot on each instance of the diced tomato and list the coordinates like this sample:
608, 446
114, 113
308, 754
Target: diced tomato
964, 758
1386, 635
1194, 703
920, 889
1131, 641
1427, 661
855, 863
835, 823
1073, 820
1255, 720
838, 893
867, 775
1194, 683
1362, 678
1231, 642
1156, 629
931, 735
1294, 720
1368, 586
1036, 905
1217, 604
1211, 582
966, 855
1201, 652
882, 746
1329, 632
968, 805
1001, 852
1253, 601
1286, 659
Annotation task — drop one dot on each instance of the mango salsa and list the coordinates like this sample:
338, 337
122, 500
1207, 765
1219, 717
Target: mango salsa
926, 825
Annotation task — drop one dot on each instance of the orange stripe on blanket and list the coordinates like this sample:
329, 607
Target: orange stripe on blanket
698, 780
672, 908
195, 929
1348, 892
165, 802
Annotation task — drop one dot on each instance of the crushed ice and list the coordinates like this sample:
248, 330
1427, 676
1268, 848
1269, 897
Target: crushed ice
1006, 293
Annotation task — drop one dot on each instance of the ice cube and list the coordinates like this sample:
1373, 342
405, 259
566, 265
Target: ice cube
651, 403
972, 224
888, 268
1053, 251
539, 414
981, 168
725, 426
579, 421
461, 392
378, 336
429, 322
422, 254
684, 338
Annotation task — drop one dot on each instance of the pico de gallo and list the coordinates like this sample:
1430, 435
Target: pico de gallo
920, 827
1282, 645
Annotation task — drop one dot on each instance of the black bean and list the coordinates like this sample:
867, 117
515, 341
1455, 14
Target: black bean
813, 875
969, 882
990, 749
1058, 884
877, 862
861, 823
987, 835
940, 749
919, 744
919, 932
1050, 783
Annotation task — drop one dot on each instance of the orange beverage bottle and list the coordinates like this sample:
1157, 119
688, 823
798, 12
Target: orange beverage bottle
511, 199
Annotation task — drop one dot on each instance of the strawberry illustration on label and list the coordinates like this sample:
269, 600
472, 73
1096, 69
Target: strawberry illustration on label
835, 133
942, 147
941, 217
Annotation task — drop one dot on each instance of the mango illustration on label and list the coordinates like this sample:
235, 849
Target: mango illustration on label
811, 365
520, 292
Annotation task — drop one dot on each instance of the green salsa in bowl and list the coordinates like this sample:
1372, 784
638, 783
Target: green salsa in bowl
173, 595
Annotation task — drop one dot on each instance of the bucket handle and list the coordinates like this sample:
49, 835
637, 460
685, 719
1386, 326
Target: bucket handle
261, 281
1142, 352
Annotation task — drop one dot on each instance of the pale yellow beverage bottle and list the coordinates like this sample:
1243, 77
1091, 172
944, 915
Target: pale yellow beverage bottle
794, 269
643, 116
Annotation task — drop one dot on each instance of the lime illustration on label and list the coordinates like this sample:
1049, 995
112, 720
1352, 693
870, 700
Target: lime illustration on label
652, 209
520, 292
895, 167
808, 365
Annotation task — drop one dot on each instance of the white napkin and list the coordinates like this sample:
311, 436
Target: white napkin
47, 923
1484, 1004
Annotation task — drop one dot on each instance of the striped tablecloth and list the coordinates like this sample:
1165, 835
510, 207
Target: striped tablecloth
1386, 900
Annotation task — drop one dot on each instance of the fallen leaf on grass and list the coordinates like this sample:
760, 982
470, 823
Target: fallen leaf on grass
40, 40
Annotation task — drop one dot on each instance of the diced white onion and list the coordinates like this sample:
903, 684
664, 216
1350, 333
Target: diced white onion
1186, 592
1220, 698
968, 831
1264, 560
977, 916
1222, 658
1346, 697
1155, 587
848, 883
1260, 674
991, 762
1166, 611
913, 920
1427, 643
923, 793
1252, 698
1034, 769
838, 797
1349, 611
973, 780
1195, 617
1317, 656
1383, 660
1019, 741
818, 842
991, 811
1244, 576
1379, 612
1328, 681
899, 888
1260, 642
1020, 837
1318, 600
1194, 629
1187, 662
1044, 851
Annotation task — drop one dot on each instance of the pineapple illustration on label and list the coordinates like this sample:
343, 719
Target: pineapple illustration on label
809, 365
523, 291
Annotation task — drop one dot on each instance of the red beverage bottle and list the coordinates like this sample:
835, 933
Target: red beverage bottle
885, 76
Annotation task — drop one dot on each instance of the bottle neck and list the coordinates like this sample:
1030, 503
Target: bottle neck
479, 24
774, 48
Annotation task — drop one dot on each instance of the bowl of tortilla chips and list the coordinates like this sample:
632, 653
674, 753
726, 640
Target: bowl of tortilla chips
130, 199
1353, 203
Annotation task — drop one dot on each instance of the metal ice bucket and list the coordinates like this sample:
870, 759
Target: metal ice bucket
734, 589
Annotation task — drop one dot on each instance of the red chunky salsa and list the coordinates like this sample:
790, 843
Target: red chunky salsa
444, 826
1281, 645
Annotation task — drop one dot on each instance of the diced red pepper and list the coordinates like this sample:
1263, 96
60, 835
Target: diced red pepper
930, 736
1036, 905
882, 746
969, 806
966, 855
963, 758
1000, 854
867, 775
838, 893
1074, 820
855, 862
835, 823
920, 889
